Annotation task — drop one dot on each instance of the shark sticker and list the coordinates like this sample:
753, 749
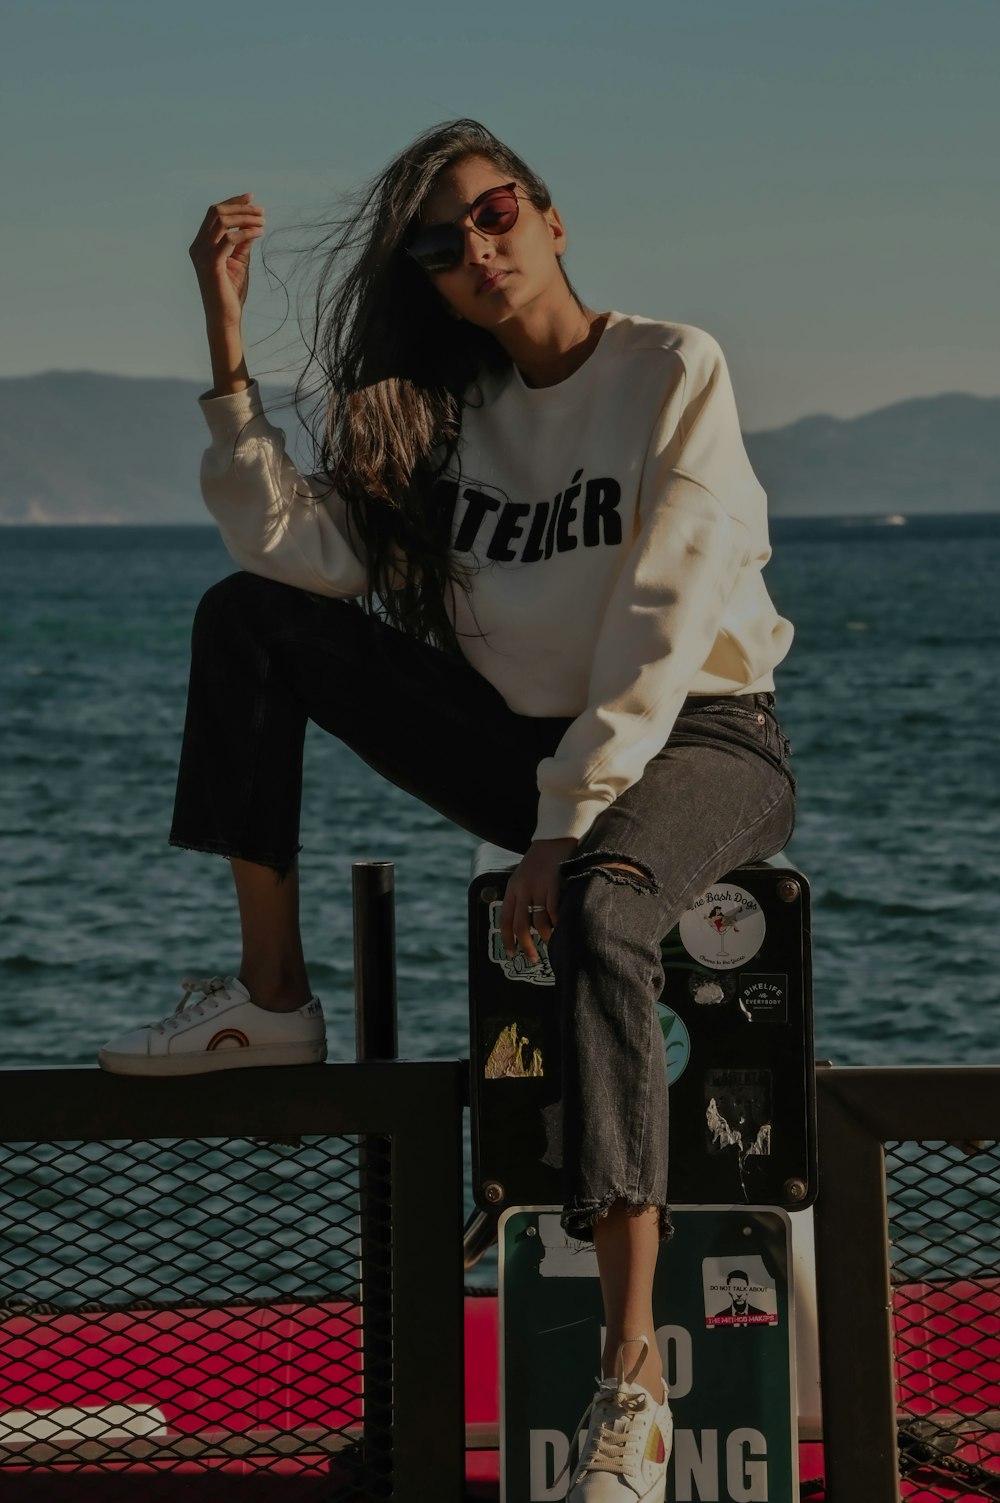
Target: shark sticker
676, 1041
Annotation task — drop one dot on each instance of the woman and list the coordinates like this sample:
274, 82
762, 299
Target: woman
525, 585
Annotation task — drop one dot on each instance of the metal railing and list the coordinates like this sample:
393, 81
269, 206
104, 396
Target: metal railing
908, 1281
238, 1283
253, 1273
182, 1285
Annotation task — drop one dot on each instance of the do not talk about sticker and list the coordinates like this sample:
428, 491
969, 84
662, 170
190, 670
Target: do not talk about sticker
723, 928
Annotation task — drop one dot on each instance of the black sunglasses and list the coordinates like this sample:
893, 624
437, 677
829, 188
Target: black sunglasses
440, 247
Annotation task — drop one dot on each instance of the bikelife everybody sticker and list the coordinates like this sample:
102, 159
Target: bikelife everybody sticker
764, 999
724, 928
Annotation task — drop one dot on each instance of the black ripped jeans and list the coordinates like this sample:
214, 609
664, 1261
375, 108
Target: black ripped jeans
266, 658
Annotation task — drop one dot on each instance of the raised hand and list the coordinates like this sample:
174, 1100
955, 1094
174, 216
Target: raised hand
221, 255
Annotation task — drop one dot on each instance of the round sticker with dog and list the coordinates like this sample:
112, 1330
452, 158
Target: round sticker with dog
723, 928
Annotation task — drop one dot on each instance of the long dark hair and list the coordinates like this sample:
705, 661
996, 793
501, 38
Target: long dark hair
392, 370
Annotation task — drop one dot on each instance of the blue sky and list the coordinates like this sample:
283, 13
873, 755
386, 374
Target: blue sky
813, 181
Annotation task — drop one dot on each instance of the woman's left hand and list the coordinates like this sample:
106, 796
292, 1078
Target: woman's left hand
535, 881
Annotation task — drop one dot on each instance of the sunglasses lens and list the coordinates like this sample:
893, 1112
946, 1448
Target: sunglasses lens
495, 212
439, 248
442, 246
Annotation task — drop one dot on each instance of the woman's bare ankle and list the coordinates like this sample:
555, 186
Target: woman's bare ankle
276, 992
650, 1374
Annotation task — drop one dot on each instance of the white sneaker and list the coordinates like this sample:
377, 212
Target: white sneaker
628, 1444
223, 1030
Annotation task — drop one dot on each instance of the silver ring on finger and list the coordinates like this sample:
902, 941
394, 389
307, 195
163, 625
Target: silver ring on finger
537, 907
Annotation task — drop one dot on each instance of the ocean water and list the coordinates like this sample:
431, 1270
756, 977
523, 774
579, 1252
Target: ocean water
888, 695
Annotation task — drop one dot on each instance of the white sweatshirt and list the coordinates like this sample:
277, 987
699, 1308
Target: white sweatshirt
617, 533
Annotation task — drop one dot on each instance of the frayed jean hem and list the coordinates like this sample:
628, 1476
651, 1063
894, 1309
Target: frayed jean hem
281, 869
578, 1220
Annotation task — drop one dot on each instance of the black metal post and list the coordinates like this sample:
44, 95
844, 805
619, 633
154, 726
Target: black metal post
373, 892
861, 1109
429, 1307
854, 1303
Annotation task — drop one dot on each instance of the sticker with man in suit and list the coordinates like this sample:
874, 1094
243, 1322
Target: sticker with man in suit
739, 1292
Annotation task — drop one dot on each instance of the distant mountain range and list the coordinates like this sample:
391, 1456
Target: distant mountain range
77, 447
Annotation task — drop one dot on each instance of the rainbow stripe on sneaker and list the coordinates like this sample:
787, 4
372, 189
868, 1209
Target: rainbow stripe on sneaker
227, 1037
655, 1448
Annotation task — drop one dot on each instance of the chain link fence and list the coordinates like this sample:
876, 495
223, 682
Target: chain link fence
944, 1210
197, 1306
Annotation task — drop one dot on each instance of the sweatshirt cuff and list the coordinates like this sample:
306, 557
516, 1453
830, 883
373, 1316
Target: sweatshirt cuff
226, 415
559, 818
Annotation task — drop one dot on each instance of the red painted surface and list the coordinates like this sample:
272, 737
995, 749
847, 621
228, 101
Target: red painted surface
290, 1366
203, 1369
947, 1339
482, 1381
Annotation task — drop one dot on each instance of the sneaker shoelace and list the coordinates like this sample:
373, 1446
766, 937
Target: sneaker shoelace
608, 1451
207, 985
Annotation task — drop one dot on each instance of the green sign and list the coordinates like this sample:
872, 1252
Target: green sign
722, 1303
